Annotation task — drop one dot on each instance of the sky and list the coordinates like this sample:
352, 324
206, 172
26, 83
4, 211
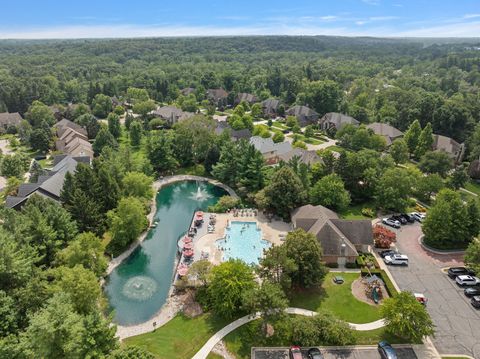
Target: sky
35, 19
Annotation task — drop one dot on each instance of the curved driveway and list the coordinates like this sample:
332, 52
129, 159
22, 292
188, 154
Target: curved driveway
207, 348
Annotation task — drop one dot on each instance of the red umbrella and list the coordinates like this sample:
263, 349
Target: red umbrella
182, 271
188, 245
188, 253
199, 214
187, 239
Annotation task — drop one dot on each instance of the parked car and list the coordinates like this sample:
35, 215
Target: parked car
454, 272
418, 216
472, 291
464, 280
396, 259
386, 351
420, 298
476, 301
314, 353
391, 223
295, 353
387, 252
399, 218
409, 218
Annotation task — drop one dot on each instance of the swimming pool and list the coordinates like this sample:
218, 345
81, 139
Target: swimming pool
243, 240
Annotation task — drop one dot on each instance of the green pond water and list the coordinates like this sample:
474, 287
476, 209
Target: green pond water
139, 286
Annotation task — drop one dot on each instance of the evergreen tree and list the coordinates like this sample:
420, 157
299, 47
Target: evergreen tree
425, 141
160, 152
114, 125
103, 139
135, 133
412, 135
211, 159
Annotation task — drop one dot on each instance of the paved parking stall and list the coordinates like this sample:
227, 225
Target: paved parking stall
355, 353
457, 322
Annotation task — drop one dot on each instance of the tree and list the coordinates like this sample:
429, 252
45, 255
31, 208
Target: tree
135, 133
127, 221
114, 124
86, 250
13, 166
323, 96
399, 151
405, 317
426, 186
278, 137
79, 284
394, 189
448, 224
330, 192
425, 141
101, 105
435, 162
256, 110
383, 237
309, 131
459, 177
268, 299
131, 352
137, 184
412, 135
90, 123
291, 121
211, 158
135, 95
200, 270
39, 113
160, 152
228, 281
104, 139
225, 203
40, 138
276, 266
285, 192
305, 251
472, 256
144, 108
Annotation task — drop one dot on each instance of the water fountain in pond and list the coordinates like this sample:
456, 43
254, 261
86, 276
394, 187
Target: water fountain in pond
201, 194
139, 288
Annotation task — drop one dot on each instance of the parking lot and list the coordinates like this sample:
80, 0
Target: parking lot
457, 322
357, 353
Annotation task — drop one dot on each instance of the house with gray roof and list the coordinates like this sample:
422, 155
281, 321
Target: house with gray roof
49, 185
305, 115
454, 149
218, 97
187, 91
336, 120
246, 97
72, 139
234, 134
270, 107
304, 156
171, 114
8, 120
388, 132
270, 150
341, 239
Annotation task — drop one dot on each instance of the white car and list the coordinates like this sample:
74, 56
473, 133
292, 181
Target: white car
463, 280
391, 222
418, 216
396, 259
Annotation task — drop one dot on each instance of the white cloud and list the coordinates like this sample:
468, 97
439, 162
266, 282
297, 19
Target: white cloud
460, 29
371, 2
470, 16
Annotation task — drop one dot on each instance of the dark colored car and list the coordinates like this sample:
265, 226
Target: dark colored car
408, 218
399, 218
386, 351
314, 353
476, 301
454, 272
388, 252
472, 291
295, 353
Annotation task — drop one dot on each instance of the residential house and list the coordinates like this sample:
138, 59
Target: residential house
305, 115
335, 120
72, 139
171, 114
270, 150
49, 185
187, 91
245, 97
388, 132
341, 239
453, 148
304, 156
9, 120
270, 107
234, 134
218, 97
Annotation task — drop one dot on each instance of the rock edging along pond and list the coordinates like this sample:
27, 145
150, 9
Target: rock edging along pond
138, 287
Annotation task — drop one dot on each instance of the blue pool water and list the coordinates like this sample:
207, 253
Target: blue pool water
243, 240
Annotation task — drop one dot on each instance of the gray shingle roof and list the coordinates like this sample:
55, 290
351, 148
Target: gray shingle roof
63, 124
270, 106
10, 119
266, 145
337, 120
172, 114
247, 97
389, 132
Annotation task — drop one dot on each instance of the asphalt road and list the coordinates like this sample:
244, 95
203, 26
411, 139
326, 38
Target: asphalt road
363, 353
457, 322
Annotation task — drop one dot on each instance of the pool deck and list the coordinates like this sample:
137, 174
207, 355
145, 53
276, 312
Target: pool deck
271, 231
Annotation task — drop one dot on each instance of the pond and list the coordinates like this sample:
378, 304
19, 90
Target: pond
140, 285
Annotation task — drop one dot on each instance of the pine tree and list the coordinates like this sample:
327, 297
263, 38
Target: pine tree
425, 141
412, 135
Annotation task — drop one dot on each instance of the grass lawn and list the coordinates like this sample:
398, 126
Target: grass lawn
337, 299
336, 148
195, 170
354, 211
280, 125
179, 338
473, 187
310, 140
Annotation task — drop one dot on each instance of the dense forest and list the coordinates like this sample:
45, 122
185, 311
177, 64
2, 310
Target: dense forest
395, 81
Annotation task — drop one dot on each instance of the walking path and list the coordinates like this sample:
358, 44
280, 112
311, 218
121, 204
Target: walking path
207, 348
